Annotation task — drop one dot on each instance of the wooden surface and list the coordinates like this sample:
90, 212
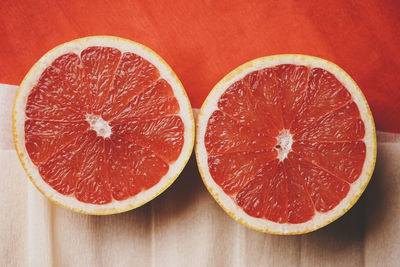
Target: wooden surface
184, 226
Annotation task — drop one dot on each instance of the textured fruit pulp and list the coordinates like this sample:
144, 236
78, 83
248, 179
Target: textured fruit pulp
286, 142
71, 110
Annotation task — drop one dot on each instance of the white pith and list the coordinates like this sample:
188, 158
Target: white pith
320, 219
100, 126
284, 144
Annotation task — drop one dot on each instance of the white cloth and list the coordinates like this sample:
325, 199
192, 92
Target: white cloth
185, 226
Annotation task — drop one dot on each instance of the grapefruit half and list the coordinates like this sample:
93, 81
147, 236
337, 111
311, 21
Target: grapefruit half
286, 144
102, 125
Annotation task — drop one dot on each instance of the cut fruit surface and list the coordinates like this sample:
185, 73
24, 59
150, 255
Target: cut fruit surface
102, 125
286, 144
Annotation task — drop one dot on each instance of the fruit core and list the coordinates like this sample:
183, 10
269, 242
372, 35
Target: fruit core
284, 144
98, 124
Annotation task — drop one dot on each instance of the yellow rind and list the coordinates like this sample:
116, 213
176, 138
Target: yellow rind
109, 210
238, 71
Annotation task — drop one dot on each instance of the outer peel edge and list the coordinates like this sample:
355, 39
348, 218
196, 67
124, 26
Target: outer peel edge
237, 74
190, 123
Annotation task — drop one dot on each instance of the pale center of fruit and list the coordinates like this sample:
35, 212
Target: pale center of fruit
284, 144
101, 126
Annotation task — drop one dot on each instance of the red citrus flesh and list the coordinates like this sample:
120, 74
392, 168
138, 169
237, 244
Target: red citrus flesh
326, 151
124, 90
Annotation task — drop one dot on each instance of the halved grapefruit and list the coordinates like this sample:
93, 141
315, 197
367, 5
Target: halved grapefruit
102, 125
286, 144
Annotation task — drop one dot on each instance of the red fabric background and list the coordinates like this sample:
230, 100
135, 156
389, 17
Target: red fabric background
204, 40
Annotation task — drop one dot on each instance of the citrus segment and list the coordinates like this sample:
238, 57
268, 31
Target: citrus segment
69, 84
326, 190
324, 93
239, 103
54, 88
329, 155
343, 124
102, 125
44, 138
264, 88
62, 170
93, 183
263, 197
133, 76
225, 134
163, 136
156, 101
232, 171
100, 64
133, 168
285, 144
300, 203
292, 81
